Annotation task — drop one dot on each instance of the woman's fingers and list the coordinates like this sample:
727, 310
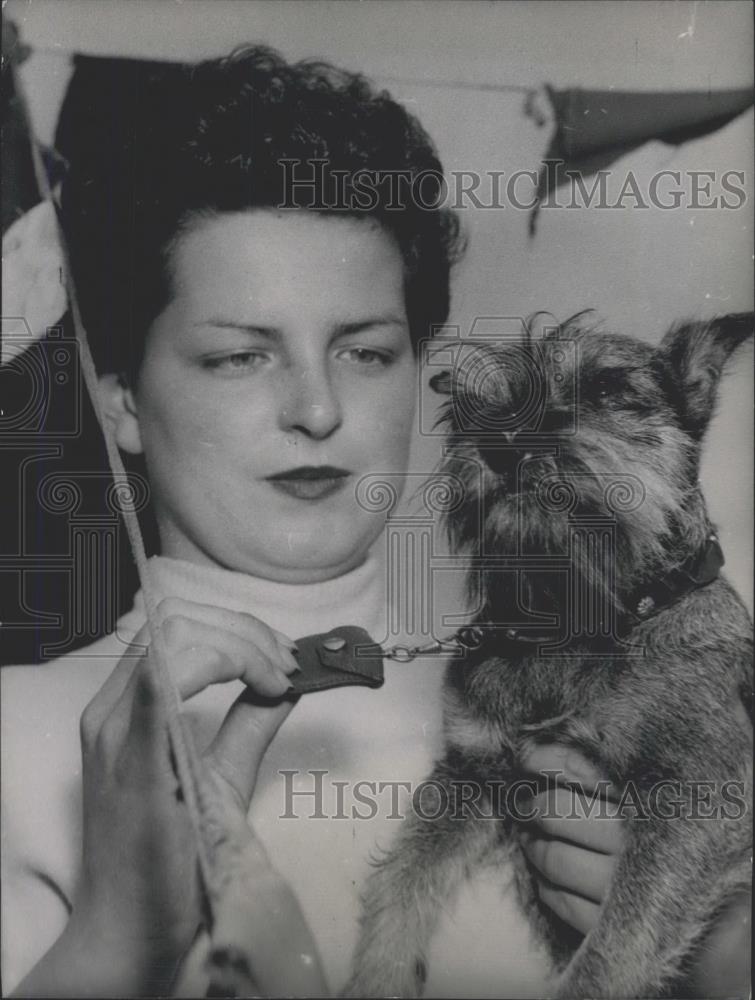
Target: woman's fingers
572, 909
271, 642
131, 735
240, 744
204, 645
575, 834
578, 804
111, 692
564, 764
569, 814
568, 866
148, 733
133, 742
200, 654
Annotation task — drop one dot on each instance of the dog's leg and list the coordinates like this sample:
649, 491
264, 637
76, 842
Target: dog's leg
405, 893
670, 882
675, 873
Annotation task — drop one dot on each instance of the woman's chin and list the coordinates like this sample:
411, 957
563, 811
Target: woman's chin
313, 566
281, 548
298, 558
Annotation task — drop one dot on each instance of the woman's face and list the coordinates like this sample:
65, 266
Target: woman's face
279, 375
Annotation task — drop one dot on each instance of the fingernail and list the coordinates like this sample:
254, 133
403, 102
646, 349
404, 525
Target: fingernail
291, 666
284, 681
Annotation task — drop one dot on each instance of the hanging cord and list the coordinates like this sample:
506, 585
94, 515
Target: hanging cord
187, 765
237, 877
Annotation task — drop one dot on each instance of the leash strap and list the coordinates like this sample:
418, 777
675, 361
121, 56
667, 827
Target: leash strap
228, 856
187, 766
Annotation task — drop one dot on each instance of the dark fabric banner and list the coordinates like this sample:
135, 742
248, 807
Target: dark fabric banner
595, 127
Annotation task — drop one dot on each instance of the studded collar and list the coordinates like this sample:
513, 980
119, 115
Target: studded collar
698, 570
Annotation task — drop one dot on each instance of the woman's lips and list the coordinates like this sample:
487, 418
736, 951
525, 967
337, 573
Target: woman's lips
310, 482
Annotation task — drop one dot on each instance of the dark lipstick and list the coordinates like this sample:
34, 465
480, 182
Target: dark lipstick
310, 482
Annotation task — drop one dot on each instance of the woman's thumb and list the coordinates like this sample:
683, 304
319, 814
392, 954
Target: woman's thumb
247, 730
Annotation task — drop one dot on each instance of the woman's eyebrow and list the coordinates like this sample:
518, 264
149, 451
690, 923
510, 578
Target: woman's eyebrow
357, 326
341, 329
227, 324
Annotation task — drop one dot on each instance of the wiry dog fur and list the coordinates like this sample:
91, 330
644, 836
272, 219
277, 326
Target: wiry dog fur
679, 711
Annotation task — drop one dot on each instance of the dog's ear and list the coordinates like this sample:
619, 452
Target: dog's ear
541, 325
441, 383
697, 353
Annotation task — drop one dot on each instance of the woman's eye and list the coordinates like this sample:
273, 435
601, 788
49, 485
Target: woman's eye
239, 361
367, 356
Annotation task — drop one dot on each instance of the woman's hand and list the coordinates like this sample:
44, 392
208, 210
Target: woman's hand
138, 904
574, 857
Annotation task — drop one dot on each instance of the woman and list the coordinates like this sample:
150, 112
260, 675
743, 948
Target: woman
263, 360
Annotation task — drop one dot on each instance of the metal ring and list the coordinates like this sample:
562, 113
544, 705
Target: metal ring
471, 636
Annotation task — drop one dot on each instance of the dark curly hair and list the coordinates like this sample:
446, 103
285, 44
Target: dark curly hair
152, 146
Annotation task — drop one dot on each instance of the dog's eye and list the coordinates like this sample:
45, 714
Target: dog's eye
607, 386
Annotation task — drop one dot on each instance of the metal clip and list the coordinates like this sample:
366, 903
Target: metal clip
468, 637
471, 636
401, 654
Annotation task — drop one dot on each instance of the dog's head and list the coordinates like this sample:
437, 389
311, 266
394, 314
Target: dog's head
585, 426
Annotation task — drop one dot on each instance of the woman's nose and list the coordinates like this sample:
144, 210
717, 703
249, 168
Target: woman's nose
310, 404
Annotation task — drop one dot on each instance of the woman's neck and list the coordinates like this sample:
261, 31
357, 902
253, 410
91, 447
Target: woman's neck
357, 597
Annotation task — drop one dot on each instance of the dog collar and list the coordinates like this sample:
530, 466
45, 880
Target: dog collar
700, 569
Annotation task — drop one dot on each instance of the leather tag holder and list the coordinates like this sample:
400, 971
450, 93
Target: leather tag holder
345, 655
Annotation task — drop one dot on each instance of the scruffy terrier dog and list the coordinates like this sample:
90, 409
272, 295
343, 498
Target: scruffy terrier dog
582, 510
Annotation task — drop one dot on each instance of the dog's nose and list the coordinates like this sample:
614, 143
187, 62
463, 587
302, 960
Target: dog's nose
503, 458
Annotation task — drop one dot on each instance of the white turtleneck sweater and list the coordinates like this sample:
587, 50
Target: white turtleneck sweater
483, 947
